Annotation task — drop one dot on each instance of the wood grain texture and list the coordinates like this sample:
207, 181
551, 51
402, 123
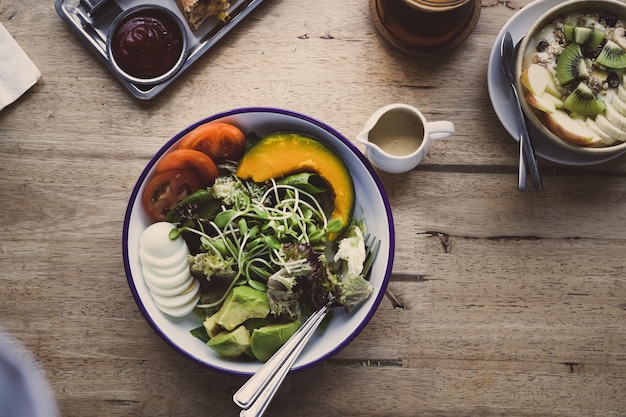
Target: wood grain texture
513, 304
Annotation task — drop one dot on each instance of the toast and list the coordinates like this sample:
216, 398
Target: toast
197, 11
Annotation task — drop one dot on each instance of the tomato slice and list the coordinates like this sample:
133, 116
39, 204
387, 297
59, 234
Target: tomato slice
189, 160
221, 141
164, 190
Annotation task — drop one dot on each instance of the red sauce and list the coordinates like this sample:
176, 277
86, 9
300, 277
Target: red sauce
147, 44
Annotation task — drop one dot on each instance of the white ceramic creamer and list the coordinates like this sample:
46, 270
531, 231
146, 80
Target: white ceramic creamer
397, 137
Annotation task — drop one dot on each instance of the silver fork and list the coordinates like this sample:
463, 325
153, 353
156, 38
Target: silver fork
255, 395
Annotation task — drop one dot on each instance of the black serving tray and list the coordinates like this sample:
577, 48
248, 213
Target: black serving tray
91, 21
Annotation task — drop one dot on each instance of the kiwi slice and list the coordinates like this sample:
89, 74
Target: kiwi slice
568, 32
612, 56
570, 65
588, 37
583, 101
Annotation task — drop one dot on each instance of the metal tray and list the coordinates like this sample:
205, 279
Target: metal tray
92, 19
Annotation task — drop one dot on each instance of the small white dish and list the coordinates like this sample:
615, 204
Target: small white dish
502, 98
371, 203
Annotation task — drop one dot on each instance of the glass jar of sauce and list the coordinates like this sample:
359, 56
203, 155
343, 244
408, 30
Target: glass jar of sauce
147, 44
428, 24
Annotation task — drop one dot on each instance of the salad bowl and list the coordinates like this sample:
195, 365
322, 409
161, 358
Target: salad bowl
371, 204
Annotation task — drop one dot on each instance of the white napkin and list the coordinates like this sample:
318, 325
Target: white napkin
17, 72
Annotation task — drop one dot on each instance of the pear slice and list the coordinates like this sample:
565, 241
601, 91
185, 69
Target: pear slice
570, 130
538, 79
546, 103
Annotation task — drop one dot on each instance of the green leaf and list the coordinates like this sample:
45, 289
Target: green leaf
200, 333
257, 285
334, 226
175, 233
272, 242
303, 181
225, 217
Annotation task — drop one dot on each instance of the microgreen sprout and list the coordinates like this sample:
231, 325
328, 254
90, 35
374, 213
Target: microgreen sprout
253, 224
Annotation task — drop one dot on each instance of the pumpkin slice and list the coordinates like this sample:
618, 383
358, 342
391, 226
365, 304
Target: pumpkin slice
282, 154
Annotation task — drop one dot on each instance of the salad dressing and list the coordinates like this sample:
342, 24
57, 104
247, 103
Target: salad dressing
398, 133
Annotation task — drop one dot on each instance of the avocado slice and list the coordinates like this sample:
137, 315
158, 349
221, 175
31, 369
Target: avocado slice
231, 344
241, 304
211, 326
266, 340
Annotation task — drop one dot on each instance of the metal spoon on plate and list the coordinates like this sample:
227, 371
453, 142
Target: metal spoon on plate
527, 155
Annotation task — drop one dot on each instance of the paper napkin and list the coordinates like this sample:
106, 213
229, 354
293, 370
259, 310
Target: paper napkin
17, 72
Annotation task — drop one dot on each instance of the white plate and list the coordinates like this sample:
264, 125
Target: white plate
502, 98
371, 202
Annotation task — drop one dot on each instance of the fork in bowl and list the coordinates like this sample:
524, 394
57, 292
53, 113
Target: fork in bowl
255, 395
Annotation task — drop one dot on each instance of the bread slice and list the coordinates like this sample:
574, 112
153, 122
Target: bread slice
197, 11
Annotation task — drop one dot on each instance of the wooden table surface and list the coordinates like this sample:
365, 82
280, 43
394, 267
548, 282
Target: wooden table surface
508, 303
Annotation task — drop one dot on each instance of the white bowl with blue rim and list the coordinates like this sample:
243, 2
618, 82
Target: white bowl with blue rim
371, 203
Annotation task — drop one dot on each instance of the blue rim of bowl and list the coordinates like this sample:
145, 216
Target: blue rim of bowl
330, 130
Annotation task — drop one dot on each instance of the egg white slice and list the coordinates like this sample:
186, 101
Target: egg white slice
178, 300
153, 280
171, 292
181, 310
157, 262
155, 240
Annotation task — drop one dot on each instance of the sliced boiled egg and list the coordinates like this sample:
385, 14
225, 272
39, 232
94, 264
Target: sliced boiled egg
166, 272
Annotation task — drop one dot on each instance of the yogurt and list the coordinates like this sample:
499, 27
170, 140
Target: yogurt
166, 271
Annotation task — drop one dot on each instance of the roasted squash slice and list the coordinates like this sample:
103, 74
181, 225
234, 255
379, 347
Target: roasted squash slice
282, 154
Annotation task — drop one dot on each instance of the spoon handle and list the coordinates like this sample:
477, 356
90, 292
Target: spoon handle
527, 154
526, 150
521, 175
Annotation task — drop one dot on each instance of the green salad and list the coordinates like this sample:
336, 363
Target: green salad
264, 261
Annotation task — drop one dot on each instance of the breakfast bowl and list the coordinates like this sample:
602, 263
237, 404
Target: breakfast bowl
147, 44
371, 205
570, 75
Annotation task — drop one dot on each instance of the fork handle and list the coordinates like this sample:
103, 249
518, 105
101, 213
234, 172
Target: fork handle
264, 397
280, 362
